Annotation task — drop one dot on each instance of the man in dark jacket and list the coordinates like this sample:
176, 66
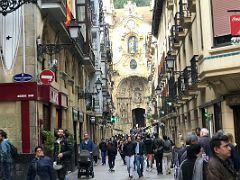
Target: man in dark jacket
139, 152
41, 166
62, 153
158, 152
219, 166
149, 151
103, 149
112, 152
129, 151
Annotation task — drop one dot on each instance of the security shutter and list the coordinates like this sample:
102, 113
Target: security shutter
221, 23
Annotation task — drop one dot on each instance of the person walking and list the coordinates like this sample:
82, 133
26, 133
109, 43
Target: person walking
139, 152
41, 167
129, 151
103, 149
5, 156
112, 152
95, 153
204, 141
87, 143
61, 154
187, 166
167, 155
219, 165
149, 152
158, 152
120, 149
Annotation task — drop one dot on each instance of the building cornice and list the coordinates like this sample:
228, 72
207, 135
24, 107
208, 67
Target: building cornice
157, 12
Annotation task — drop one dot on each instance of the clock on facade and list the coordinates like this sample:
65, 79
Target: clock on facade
133, 64
131, 24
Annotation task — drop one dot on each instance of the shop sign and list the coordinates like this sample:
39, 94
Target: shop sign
235, 24
235, 40
22, 77
54, 96
63, 100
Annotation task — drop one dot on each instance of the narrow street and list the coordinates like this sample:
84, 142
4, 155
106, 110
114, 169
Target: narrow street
102, 173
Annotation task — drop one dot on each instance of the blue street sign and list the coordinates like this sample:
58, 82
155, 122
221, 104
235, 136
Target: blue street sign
22, 77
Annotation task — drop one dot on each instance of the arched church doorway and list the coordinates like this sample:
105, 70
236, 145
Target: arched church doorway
138, 117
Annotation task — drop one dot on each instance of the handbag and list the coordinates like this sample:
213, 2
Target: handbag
57, 165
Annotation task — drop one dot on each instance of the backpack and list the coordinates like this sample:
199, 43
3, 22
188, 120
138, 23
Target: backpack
13, 151
167, 146
158, 146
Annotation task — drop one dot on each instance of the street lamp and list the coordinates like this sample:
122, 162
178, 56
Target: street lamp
52, 49
98, 84
8, 6
169, 62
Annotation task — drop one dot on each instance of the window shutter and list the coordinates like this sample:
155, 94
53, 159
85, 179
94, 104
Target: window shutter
221, 23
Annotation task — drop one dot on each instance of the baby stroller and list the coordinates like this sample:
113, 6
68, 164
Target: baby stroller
85, 164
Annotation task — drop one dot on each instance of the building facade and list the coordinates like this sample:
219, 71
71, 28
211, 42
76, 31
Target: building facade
51, 80
198, 69
131, 90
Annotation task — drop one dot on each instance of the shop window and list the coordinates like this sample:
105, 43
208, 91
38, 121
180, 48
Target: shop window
217, 116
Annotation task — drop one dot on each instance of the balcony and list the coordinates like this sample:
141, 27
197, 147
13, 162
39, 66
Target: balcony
187, 77
192, 5
194, 70
185, 15
172, 89
54, 8
170, 4
89, 58
174, 43
224, 67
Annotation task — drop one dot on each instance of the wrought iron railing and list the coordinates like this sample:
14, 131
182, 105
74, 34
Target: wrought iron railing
194, 70
187, 77
181, 86
184, 9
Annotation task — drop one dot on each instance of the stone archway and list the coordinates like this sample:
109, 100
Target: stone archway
138, 117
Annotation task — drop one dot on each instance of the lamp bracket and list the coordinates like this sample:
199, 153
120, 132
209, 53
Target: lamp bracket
8, 6
51, 49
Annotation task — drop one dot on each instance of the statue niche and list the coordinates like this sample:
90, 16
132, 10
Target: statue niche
132, 45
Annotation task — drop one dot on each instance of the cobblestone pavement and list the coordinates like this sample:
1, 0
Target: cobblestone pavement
102, 173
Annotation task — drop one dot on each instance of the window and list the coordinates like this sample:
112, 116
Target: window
132, 45
81, 13
133, 64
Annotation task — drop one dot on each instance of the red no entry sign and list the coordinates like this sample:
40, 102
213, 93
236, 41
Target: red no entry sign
46, 76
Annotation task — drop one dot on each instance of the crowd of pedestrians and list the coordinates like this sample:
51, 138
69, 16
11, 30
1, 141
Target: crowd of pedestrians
201, 157
207, 158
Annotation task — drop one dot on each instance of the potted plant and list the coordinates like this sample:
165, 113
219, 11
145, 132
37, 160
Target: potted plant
48, 142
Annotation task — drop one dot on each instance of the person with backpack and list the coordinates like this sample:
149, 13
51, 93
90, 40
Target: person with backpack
158, 152
5, 155
167, 155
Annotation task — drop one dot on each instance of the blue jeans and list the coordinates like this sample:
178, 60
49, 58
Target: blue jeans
139, 161
6, 170
103, 154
